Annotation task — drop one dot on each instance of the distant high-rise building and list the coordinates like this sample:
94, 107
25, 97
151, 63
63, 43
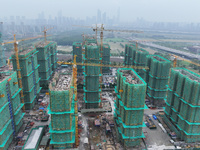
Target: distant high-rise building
98, 16
104, 17
118, 15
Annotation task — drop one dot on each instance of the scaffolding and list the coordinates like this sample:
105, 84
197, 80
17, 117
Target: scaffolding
129, 107
106, 58
135, 57
77, 50
54, 58
10, 108
30, 75
46, 61
183, 105
157, 79
61, 109
91, 82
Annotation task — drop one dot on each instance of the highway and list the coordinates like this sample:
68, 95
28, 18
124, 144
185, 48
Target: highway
174, 51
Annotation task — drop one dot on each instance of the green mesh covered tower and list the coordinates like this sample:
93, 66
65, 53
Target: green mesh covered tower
30, 75
45, 62
135, 57
183, 104
10, 108
129, 107
77, 50
2, 56
61, 109
128, 58
106, 58
91, 83
54, 58
157, 77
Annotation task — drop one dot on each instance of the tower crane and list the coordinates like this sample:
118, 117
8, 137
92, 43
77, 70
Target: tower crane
102, 29
74, 64
183, 59
96, 29
16, 42
45, 33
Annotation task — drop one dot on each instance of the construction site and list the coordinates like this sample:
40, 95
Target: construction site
89, 103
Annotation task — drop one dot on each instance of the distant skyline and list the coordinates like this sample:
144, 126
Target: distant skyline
130, 10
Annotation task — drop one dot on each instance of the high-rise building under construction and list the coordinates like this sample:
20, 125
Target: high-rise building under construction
182, 111
156, 77
10, 108
106, 58
91, 83
47, 59
135, 57
129, 107
77, 50
62, 126
30, 76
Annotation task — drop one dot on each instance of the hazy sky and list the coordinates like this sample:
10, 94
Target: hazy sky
151, 10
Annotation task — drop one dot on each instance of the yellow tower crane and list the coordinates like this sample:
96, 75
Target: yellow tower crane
15, 42
183, 59
101, 29
74, 64
45, 33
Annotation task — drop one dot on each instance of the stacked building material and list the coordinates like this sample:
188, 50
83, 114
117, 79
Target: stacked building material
156, 78
54, 55
135, 57
30, 75
61, 109
2, 56
183, 105
77, 50
91, 83
129, 107
106, 58
10, 108
45, 62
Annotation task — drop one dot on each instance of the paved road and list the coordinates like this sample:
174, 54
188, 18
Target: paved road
174, 51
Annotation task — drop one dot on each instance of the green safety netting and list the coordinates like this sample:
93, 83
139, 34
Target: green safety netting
61, 109
106, 58
91, 73
61, 100
129, 107
77, 50
182, 103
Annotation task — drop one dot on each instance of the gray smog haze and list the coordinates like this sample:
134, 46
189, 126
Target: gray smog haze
150, 10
